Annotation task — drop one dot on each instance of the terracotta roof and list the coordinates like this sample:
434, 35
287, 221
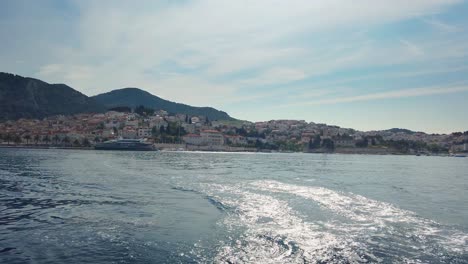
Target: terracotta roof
233, 136
192, 135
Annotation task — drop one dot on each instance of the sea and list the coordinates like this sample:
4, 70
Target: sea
84, 206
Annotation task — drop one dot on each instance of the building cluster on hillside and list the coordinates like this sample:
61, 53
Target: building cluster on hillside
162, 127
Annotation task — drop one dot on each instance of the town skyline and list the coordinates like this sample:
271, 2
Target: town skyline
367, 65
198, 133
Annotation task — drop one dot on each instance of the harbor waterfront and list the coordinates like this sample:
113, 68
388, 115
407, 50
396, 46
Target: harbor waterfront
182, 131
74, 206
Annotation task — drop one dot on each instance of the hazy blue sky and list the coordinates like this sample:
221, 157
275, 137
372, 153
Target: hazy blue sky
366, 64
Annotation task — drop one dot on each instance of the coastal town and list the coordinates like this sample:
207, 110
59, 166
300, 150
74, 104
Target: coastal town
184, 132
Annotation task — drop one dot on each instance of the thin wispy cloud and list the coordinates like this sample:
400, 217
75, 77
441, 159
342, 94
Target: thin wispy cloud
412, 48
413, 92
445, 27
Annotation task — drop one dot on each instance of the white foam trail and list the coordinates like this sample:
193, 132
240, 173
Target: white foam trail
369, 214
274, 234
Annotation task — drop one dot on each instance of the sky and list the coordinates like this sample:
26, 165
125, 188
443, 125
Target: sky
363, 64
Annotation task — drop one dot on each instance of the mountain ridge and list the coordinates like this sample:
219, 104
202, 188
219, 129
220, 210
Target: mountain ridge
133, 97
25, 97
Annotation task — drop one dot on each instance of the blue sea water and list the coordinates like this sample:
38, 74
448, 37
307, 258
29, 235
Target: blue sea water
76, 206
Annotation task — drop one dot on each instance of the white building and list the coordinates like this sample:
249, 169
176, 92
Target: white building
459, 147
129, 133
171, 118
132, 123
193, 139
144, 132
114, 114
112, 124
206, 138
212, 137
161, 113
195, 119
131, 116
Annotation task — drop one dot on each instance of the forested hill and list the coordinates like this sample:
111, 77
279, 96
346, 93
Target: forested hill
133, 97
22, 97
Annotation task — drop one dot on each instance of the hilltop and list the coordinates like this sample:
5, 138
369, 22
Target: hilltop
22, 97
133, 97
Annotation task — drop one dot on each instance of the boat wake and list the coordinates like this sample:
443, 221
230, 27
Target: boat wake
266, 228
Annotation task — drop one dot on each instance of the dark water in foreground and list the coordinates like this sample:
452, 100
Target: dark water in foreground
67, 206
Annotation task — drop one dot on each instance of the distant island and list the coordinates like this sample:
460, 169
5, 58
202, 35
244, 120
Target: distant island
37, 114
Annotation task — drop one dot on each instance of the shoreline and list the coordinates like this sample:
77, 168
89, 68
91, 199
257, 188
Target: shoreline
43, 147
339, 151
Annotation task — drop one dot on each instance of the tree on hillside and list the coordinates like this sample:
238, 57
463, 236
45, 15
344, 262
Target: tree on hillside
56, 139
27, 138
122, 109
76, 143
169, 129
434, 148
36, 139
143, 111
241, 131
258, 144
311, 144
328, 144
315, 143
17, 139
400, 145
8, 138
379, 138
362, 143
66, 140
46, 139
86, 142
154, 132
346, 136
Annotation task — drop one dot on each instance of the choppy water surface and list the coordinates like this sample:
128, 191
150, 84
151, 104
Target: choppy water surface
69, 206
